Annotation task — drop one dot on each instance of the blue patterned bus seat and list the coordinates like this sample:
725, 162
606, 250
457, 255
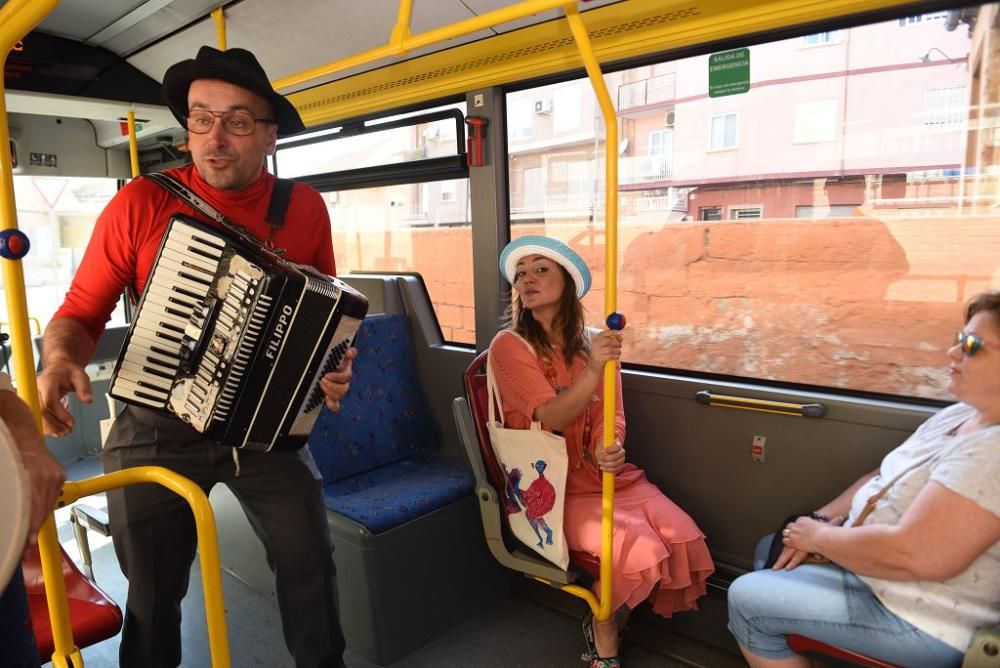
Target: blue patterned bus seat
379, 454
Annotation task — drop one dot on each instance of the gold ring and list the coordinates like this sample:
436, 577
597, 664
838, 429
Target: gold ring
786, 532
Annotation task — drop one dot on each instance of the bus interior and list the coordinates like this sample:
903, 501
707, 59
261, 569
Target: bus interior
794, 251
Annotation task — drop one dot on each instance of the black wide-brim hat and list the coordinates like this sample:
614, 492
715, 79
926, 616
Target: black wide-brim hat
236, 66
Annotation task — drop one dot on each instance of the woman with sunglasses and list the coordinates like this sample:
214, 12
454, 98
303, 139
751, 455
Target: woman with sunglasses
914, 545
549, 368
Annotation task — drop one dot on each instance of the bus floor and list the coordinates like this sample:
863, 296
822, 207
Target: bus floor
527, 627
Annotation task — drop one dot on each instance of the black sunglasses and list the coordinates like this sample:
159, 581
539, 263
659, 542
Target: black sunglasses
970, 343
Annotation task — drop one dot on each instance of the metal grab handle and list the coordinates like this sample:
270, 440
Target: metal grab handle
66, 654
761, 405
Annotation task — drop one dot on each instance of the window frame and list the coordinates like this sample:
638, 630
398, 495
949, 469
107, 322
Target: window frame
415, 171
704, 211
833, 37
735, 210
736, 132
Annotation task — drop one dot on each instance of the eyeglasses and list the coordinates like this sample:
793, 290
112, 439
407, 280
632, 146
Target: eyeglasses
236, 122
970, 343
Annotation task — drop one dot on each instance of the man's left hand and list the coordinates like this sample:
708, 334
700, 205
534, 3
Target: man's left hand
336, 383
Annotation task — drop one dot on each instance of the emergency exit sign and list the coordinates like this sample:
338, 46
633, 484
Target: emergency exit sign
123, 127
729, 73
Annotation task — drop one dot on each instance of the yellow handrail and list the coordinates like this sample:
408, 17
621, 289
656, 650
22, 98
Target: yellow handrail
208, 544
17, 19
602, 609
219, 17
401, 32
400, 44
36, 325
133, 145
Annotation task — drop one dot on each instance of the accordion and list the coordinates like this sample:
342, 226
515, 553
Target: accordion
234, 340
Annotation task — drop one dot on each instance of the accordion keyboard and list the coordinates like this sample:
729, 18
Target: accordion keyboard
178, 283
233, 340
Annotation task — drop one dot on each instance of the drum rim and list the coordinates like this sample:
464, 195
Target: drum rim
16, 503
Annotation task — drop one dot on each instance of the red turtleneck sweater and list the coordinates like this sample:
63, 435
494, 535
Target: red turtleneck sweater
129, 230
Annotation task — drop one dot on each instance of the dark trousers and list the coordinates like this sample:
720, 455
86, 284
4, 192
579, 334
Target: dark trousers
155, 539
17, 640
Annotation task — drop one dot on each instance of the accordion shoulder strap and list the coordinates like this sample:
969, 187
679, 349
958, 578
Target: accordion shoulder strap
280, 197
185, 194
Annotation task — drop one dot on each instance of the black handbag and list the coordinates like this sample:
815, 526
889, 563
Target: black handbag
778, 545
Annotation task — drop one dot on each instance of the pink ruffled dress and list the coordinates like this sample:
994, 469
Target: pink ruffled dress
659, 552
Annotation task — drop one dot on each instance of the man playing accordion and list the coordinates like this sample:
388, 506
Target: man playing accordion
234, 118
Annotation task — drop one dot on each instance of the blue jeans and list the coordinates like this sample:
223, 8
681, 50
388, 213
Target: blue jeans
832, 605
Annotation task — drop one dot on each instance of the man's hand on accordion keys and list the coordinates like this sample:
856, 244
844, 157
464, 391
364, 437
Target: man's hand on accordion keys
336, 383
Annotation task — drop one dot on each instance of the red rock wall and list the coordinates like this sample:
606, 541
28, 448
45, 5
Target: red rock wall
857, 303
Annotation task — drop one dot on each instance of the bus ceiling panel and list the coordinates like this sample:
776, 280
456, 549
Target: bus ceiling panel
153, 34
368, 25
485, 6
316, 33
123, 26
79, 20
625, 30
154, 20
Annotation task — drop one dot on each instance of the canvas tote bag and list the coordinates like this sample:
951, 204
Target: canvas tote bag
534, 464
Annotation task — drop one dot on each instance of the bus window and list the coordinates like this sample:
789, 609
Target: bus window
404, 223
58, 214
824, 227
421, 227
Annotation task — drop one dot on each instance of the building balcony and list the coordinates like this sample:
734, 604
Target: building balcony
644, 169
647, 92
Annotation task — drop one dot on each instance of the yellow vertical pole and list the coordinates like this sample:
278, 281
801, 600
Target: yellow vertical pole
401, 33
17, 19
220, 27
601, 607
604, 612
133, 145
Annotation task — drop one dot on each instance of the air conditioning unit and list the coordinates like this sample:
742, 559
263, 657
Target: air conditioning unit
543, 106
668, 119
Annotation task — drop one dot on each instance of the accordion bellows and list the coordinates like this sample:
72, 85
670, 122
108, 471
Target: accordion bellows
234, 340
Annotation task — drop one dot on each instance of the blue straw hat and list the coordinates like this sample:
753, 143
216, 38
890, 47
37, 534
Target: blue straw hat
554, 250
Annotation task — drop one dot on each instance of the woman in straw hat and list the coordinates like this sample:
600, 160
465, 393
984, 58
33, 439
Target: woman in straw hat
659, 553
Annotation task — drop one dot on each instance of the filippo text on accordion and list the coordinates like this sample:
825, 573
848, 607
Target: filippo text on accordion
234, 340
